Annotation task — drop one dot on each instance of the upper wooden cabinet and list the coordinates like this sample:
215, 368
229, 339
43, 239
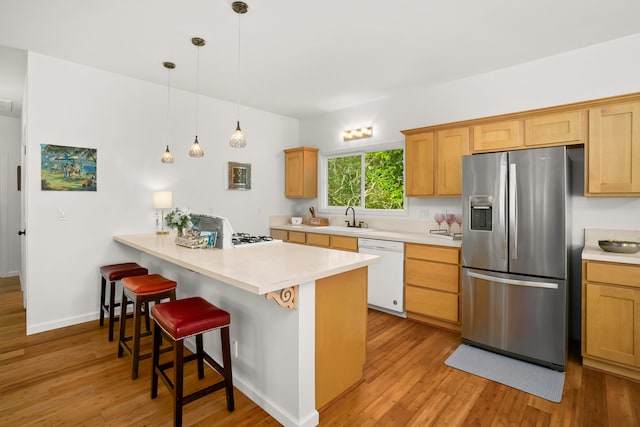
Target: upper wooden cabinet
568, 127
301, 172
609, 128
419, 161
498, 136
452, 144
434, 162
613, 152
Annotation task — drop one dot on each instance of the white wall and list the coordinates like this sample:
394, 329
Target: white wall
125, 120
598, 71
9, 196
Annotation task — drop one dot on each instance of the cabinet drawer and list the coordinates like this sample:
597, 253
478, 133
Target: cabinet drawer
433, 275
297, 237
318, 240
280, 234
432, 303
617, 274
432, 253
344, 243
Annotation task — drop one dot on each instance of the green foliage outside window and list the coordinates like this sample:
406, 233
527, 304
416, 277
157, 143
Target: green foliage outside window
383, 180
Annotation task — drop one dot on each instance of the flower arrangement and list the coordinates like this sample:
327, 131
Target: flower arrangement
179, 220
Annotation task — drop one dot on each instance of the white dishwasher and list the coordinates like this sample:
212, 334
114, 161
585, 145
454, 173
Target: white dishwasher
386, 277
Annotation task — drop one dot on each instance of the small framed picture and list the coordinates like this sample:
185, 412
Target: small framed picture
239, 176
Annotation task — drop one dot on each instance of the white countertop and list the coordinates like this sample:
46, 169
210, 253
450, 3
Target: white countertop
258, 268
593, 252
401, 236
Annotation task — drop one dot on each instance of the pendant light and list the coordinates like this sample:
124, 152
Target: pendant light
167, 157
238, 139
196, 149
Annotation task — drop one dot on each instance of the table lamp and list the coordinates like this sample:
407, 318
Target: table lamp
162, 200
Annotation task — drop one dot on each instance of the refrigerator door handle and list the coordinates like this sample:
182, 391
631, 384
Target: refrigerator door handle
546, 285
513, 210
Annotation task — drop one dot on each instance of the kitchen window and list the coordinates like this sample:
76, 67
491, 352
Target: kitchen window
370, 180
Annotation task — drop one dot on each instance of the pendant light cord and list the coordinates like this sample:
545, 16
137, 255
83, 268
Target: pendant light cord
238, 73
197, 86
168, 101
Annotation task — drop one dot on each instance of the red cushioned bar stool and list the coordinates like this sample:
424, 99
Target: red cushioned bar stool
112, 273
142, 290
181, 319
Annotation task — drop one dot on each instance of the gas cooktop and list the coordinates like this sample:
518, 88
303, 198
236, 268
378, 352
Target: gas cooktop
242, 239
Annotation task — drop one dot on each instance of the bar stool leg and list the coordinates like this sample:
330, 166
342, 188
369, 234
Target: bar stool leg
178, 369
102, 295
226, 360
123, 321
112, 308
200, 354
136, 338
155, 359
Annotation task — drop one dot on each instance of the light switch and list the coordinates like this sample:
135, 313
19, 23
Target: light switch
62, 216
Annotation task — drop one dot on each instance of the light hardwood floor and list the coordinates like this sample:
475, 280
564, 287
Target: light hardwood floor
72, 376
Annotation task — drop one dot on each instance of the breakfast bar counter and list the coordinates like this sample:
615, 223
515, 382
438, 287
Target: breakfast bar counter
258, 269
289, 361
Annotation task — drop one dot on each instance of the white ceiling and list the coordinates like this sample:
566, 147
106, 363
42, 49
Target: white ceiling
302, 58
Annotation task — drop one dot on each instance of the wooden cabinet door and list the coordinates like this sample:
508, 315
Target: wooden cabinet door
613, 323
419, 155
564, 128
452, 144
613, 150
301, 172
497, 136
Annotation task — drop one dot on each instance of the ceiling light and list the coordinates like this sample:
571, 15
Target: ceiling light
196, 149
167, 157
238, 139
357, 133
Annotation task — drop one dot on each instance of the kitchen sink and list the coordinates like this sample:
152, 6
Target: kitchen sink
345, 228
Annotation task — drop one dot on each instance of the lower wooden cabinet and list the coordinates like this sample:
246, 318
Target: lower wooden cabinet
280, 234
332, 241
432, 284
344, 243
314, 239
297, 237
611, 317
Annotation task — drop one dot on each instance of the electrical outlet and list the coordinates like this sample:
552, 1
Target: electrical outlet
424, 213
235, 348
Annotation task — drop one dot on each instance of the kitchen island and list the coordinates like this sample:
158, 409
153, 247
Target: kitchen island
291, 362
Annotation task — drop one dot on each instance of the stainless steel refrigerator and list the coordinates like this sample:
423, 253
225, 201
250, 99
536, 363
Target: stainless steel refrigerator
515, 254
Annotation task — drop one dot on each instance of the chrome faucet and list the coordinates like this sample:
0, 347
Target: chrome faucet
354, 216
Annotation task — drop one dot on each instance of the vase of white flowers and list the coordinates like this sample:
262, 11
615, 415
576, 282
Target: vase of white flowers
179, 220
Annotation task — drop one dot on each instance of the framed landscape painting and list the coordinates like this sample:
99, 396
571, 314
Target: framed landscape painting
65, 168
